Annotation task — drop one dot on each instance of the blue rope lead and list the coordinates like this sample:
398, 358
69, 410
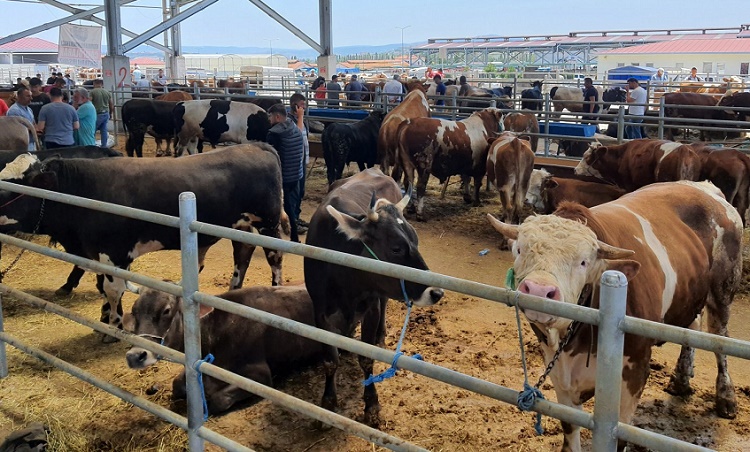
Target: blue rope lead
391, 371
528, 397
208, 359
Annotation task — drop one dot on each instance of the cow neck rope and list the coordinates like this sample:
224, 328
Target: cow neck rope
208, 359
36, 229
391, 371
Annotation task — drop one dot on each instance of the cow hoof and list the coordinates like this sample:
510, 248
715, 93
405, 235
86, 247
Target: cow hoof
467, 200
63, 291
421, 218
160, 153
680, 388
372, 417
107, 339
321, 426
726, 409
152, 390
477, 204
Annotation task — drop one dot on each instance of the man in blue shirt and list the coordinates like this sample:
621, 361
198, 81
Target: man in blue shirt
58, 120
86, 133
439, 89
21, 109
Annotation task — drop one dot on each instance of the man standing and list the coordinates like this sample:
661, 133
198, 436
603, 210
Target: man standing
86, 133
287, 139
136, 74
355, 91
439, 89
38, 97
297, 115
21, 109
394, 86
332, 91
693, 77
635, 95
105, 108
659, 80
161, 78
590, 94
57, 120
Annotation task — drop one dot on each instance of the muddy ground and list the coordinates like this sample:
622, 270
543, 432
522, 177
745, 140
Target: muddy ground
469, 335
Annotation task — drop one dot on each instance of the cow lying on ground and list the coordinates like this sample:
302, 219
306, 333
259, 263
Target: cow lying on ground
243, 346
547, 192
443, 148
361, 215
142, 116
15, 133
509, 164
217, 121
683, 240
523, 122
351, 142
238, 187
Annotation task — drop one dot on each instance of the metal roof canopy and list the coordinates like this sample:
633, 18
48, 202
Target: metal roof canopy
172, 18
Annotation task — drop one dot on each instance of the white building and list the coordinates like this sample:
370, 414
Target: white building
228, 65
712, 57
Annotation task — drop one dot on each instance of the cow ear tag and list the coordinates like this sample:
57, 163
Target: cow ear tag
510, 279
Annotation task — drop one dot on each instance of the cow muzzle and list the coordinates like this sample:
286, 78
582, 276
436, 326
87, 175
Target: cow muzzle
139, 358
542, 290
429, 297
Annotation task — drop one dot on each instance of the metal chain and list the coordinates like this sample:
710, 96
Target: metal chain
23, 250
563, 343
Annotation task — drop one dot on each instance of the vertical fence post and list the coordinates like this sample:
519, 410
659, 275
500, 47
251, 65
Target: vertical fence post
546, 124
620, 124
196, 91
661, 118
454, 95
189, 254
611, 341
3, 357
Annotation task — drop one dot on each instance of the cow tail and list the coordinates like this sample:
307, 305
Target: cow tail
286, 226
32, 131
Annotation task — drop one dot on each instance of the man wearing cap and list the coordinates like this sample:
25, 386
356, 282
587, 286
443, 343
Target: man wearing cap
332, 91
659, 80
635, 95
394, 86
355, 91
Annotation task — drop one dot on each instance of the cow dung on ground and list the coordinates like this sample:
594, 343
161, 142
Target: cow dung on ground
474, 336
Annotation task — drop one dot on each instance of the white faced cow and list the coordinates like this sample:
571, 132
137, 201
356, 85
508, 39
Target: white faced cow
679, 244
217, 121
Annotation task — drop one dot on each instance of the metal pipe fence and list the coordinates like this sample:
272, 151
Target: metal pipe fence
612, 325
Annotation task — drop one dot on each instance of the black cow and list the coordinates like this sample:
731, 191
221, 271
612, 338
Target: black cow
612, 95
356, 142
736, 99
71, 152
531, 98
243, 346
237, 187
217, 121
362, 214
142, 116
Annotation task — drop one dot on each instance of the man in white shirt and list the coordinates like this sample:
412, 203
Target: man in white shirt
136, 74
394, 86
142, 84
635, 95
161, 78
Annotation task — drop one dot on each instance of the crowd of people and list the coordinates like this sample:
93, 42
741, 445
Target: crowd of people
62, 114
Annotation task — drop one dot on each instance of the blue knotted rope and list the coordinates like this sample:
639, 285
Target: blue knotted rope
208, 359
528, 397
391, 371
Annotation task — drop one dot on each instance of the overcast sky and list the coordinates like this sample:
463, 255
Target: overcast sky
357, 22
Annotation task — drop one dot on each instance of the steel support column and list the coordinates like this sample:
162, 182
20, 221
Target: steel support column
295, 31
114, 28
326, 29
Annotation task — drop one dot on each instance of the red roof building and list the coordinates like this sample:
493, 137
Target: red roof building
29, 51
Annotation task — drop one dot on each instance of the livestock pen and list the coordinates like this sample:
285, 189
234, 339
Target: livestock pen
189, 228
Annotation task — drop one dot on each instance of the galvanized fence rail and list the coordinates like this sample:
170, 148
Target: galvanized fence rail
610, 319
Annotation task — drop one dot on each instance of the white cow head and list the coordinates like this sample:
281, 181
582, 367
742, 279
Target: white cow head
534, 193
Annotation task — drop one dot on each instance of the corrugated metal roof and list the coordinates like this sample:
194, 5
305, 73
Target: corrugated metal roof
688, 46
29, 45
147, 61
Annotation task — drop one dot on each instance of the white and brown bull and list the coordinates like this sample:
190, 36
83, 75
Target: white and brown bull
443, 148
509, 164
546, 192
414, 105
680, 246
523, 123
16, 133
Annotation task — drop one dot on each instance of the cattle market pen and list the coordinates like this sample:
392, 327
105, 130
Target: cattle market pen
611, 321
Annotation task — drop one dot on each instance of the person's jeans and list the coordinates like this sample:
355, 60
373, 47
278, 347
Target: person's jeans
301, 191
101, 125
291, 204
633, 129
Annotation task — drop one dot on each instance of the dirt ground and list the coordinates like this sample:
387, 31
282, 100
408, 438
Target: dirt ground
473, 336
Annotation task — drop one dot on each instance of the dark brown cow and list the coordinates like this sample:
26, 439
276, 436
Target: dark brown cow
443, 148
546, 192
728, 169
414, 105
240, 345
671, 99
509, 164
736, 99
634, 164
684, 243
522, 122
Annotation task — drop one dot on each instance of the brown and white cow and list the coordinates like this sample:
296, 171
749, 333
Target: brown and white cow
414, 105
635, 164
246, 347
680, 246
509, 164
443, 148
546, 192
16, 133
523, 122
729, 170
677, 105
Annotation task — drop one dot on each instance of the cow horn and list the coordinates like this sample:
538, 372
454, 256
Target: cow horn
508, 230
405, 200
612, 252
372, 215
